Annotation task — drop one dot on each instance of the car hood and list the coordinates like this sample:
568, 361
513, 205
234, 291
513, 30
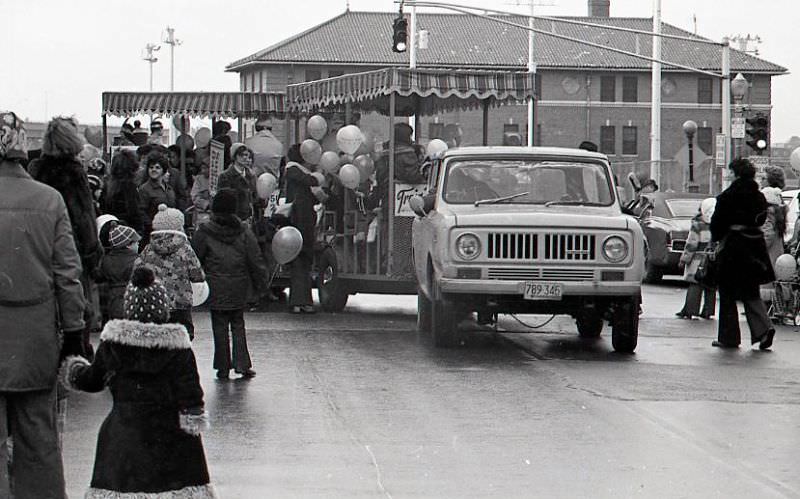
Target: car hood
671, 224
531, 216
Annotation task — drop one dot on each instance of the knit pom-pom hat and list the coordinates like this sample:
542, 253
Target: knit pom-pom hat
146, 299
168, 219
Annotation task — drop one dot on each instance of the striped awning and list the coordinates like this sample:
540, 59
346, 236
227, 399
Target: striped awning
199, 104
420, 91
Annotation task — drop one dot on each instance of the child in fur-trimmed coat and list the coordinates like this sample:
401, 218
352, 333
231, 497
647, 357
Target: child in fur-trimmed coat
170, 255
149, 444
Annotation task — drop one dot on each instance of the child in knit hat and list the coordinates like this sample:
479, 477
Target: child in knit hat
150, 443
116, 267
174, 262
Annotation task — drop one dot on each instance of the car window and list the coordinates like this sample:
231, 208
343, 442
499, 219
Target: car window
527, 182
683, 208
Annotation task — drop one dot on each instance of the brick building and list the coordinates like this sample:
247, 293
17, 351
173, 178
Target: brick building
584, 93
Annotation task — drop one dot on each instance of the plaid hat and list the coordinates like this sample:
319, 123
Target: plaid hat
168, 219
121, 236
13, 141
146, 299
224, 202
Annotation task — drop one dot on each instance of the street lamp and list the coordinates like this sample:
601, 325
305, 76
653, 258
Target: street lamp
169, 39
147, 55
690, 128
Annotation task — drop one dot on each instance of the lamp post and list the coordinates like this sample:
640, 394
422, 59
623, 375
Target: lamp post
690, 128
169, 39
148, 56
739, 87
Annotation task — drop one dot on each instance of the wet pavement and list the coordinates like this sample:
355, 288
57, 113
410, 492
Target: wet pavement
359, 404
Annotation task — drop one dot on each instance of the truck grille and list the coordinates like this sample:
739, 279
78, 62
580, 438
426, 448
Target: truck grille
512, 246
554, 247
540, 274
571, 247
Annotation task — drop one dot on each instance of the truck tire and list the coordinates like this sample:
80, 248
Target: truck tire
424, 312
444, 328
625, 326
333, 294
590, 324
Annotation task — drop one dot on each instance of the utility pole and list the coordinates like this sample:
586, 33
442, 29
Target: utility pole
655, 100
170, 39
148, 56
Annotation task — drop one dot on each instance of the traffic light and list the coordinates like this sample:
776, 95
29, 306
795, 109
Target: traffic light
400, 37
758, 133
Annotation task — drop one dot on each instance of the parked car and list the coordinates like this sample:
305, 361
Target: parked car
665, 219
526, 230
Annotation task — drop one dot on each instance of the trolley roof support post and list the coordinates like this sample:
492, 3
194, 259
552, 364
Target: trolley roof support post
390, 240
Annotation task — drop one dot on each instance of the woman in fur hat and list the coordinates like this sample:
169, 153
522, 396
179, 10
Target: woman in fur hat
59, 168
149, 444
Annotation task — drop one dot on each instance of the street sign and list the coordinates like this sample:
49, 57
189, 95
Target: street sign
737, 128
719, 156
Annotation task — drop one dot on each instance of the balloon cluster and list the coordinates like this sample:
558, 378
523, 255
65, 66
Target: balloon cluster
351, 164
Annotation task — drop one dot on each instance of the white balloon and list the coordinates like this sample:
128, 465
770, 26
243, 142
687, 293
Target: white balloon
200, 293
349, 176
320, 178
794, 160
329, 162
286, 244
785, 267
349, 138
317, 126
266, 185
311, 151
435, 147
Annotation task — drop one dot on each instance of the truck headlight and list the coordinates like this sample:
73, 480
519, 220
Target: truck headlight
468, 246
615, 249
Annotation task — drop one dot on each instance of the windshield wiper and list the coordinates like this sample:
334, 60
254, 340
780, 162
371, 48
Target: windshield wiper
501, 199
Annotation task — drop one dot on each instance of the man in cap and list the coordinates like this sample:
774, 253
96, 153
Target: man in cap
267, 149
41, 298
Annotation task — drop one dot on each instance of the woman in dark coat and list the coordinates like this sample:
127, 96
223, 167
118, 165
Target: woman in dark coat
149, 444
120, 194
299, 183
59, 168
743, 261
232, 261
154, 191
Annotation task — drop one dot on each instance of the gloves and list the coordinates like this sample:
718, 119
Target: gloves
73, 344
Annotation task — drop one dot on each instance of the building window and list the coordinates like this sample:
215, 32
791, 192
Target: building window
313, 74
705, 139
607, 140
608, 89
704, 90
630, 89
335, 72
629, 144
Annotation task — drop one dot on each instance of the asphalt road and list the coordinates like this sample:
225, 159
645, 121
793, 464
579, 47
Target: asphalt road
359, 404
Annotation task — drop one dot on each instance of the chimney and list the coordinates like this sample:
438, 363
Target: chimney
599, 8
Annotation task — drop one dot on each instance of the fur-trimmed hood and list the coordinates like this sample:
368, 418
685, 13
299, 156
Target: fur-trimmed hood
225, 228
146, 335
167, 242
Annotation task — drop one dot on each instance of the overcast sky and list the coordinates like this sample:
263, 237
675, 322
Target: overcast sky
60, 55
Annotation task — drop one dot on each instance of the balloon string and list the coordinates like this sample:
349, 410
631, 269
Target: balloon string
272, 277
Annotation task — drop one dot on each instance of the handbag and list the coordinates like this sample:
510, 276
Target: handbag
706, 273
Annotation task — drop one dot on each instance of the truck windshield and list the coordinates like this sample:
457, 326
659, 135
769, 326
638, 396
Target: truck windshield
527, 182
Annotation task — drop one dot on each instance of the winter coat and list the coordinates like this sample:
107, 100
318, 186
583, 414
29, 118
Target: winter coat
231, 259
743, 261
115, 269
152, 194
696, 244
298, 192
775, 224
150, 441
245, 187
175, 264
124, 204
67, 176
40, 289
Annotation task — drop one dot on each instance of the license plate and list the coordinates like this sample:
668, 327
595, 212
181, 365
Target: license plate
542, 290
